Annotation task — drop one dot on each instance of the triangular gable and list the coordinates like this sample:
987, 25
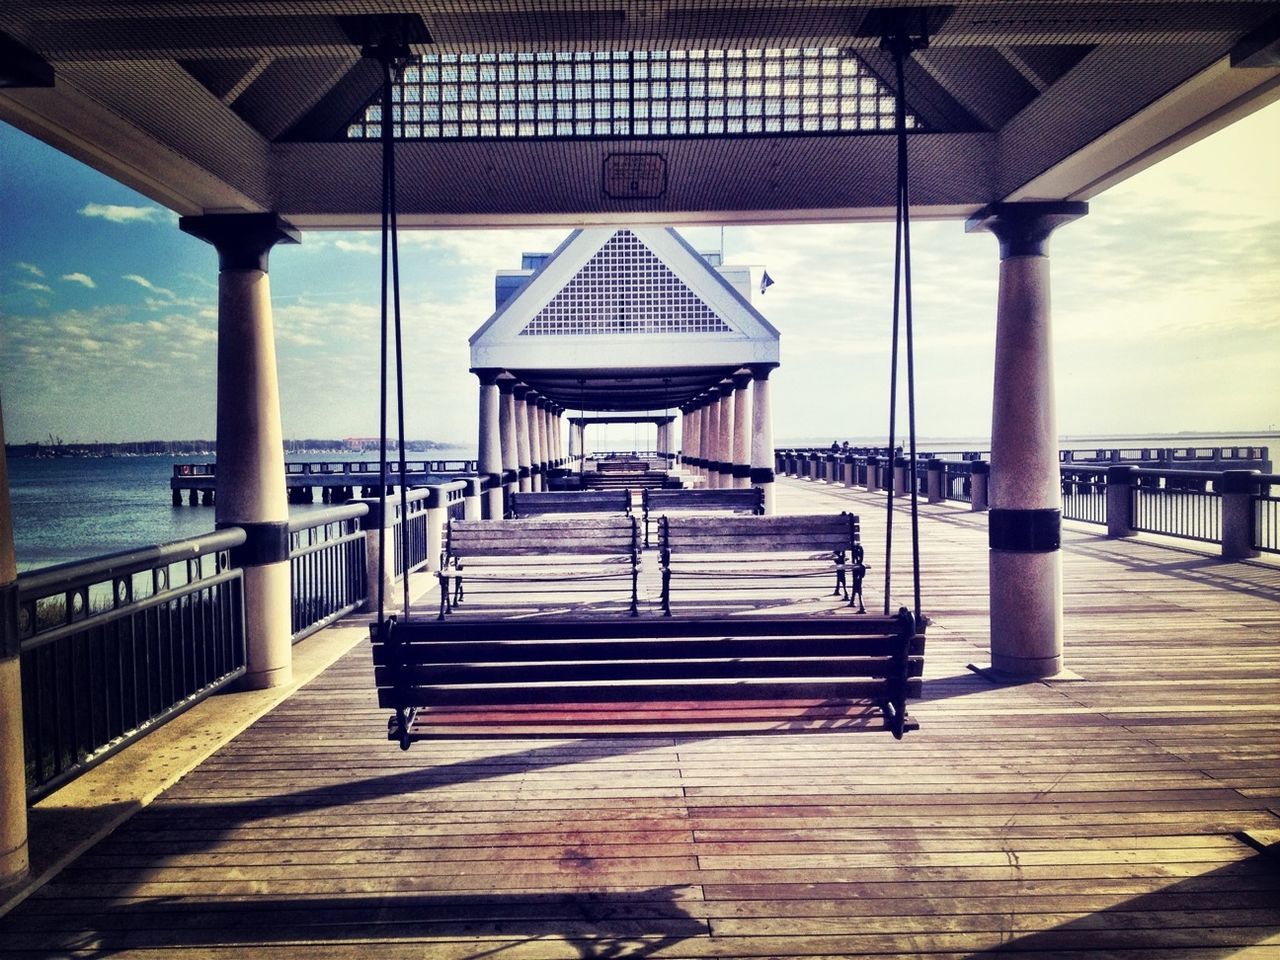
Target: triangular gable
617, 297
624, 290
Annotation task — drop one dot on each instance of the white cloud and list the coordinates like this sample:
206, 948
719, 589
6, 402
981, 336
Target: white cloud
357, 246
30, 268
32, 285
82, 278
147, 284
119, 213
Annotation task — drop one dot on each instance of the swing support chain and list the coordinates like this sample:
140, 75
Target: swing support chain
905, 35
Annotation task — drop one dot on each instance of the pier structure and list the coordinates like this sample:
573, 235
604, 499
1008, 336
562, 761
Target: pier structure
623, 326
256, 127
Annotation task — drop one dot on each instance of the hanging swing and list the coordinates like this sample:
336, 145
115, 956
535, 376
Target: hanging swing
498, 678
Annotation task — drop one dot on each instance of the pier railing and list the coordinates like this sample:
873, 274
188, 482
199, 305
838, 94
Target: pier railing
328, 567
1235, 508
112, 647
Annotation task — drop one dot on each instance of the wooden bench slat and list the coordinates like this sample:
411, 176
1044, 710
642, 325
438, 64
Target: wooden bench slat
544, 651
578, 671
621, 692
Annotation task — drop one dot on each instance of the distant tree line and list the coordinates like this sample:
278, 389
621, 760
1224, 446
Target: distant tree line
56, 447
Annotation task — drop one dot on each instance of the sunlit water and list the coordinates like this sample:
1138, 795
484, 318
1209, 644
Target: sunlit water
73, 509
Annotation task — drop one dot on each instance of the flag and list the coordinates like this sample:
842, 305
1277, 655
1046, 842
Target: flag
766, 282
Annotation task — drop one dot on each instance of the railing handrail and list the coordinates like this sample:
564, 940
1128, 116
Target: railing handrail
68, 576
316, 518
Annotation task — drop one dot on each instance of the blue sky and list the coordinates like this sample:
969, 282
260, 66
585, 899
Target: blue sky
1166, 310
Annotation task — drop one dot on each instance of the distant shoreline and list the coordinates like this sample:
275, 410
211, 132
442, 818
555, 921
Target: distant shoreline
204, 448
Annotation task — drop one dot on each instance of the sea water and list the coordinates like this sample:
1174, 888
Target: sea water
76, 508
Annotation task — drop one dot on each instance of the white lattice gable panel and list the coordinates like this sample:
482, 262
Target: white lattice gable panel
617, 298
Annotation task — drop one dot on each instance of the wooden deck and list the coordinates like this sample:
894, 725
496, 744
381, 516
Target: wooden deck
1124, 815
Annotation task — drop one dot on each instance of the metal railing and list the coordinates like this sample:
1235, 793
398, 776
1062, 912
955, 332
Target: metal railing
327, 566
412, 526
1266, 514
114, 646
1176, 503
957, 477
1084, 493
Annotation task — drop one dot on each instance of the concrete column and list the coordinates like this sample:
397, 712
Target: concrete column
741, 430
383, 587
437, 520
14, 862
250, 490
490, 442
1120, 483
1024, 529
544, 461
714, 441
727, 406
471, 499
935, 479
508, 438
1237, 489
979, 472
710, 421
535, 442
901, 477
873, 474
573, 439
521, 412
762, 434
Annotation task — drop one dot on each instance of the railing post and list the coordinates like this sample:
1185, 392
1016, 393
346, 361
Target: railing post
1120, 484
372, 522
979, 475
873, 474
850, 470
901, 477
1237, 489
471, 498
437, 517
934, 480
13, 782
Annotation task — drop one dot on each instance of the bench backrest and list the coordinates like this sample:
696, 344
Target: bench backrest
525, 505
813, 533
622, 466
537, 537
745, 500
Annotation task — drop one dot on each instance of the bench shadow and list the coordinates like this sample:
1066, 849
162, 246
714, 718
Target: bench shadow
595, 925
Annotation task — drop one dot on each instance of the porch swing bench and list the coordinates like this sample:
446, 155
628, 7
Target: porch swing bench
667, 675
532, 677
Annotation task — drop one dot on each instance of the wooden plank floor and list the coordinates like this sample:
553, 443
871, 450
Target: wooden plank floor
1124, 815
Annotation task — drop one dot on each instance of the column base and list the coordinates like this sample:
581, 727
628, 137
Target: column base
1026, 613
268, 626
